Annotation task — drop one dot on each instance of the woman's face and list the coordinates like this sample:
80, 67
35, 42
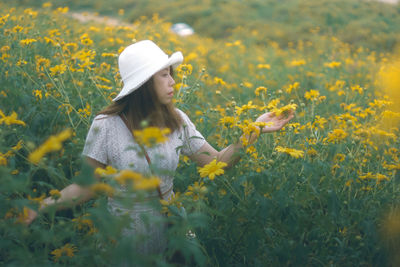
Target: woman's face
163, 85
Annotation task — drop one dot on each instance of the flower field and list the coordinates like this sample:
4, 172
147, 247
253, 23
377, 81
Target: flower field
323, 191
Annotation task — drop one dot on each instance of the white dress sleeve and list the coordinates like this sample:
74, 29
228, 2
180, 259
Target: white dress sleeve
192, 139
96, 140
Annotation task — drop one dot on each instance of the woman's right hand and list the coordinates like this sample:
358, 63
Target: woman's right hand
31, 216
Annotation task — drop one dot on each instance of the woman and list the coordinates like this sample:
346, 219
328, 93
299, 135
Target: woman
147, 94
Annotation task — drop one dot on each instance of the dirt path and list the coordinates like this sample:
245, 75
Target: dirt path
389, 1
88, 16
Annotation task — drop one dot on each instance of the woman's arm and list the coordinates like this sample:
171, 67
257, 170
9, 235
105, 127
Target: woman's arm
73, 194
230, 154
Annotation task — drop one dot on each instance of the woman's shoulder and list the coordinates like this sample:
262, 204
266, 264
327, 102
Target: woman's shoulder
182, 114
103, 119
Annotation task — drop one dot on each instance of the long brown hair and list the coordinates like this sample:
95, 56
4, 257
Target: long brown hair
143, 105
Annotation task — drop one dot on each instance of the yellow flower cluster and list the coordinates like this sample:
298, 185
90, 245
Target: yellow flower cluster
260, 90
12, 119
174, 200
66, 250
370, 176
333, 64
336, 136
54, 143
151, 136
312, 95
290, 151
196, 191
124, 178
83, 223
245, 108
212, 169
105, 172
102, 189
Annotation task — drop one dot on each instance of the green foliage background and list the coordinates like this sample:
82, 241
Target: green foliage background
361, 23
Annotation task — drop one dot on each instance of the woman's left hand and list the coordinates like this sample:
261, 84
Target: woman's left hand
277, 122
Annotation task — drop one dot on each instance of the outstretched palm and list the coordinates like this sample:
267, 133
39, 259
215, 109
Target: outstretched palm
276, 122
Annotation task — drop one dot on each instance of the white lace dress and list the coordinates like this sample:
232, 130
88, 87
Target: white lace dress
110, 142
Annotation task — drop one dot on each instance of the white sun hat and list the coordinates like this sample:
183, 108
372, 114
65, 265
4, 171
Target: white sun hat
140, 61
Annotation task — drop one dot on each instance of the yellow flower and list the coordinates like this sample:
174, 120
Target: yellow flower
295, 63
21, 216
336, 135
212, 169
312, 152
109, 55
264, 66
260, 89
244, 108
290, 151
85, 224
61, 10
4, 49
391, 166
30, 12
348, 183
105, 172
185, 69
47, 5
173, 200
85, 39
312, 95
333, 64
319, 123
58, 69
50, 41
3, 159
54, 143
147, 183
339, 84
294, 86
357, 88
284, 110
151, 136
12, 119
55, 194
38, 94
102, 189
247, 84
17, 28
41, 63
197, 191
273, 103
219, 81
54, 32
67, 250
37, 199
86, 111
339, 157
380, 177
228, 121
126, 176
27, 41
4, 19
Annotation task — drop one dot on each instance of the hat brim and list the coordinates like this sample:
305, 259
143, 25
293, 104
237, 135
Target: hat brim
174, 60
